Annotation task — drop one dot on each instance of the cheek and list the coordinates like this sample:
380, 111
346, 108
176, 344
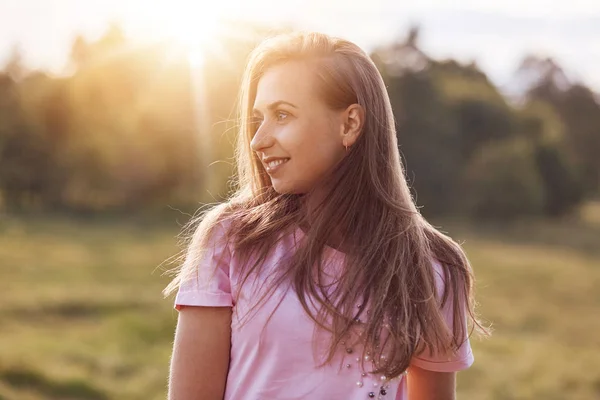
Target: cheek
313, 150
316, 146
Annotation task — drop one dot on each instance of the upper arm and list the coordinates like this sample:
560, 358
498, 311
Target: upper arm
432, 375
430, 385
201, 352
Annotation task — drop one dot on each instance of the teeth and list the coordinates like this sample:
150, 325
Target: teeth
275, 163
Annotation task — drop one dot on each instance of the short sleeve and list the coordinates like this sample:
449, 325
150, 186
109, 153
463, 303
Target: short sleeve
450, 361
209, 285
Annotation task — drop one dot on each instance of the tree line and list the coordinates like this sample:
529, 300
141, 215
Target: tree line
136, 127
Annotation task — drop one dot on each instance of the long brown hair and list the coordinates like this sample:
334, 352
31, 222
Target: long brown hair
389, 246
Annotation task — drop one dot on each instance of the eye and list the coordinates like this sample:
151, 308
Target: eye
281, 115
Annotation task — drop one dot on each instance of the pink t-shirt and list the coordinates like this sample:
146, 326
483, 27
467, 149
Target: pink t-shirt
275, 360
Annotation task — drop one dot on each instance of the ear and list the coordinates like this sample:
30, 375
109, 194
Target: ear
353, 122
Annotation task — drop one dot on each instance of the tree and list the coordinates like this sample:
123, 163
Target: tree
80, 52
427, 140
581, 114
563, 186
481, 122
14, 67
579, 111
502, 182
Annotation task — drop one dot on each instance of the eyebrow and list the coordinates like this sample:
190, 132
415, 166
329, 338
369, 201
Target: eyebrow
274, 105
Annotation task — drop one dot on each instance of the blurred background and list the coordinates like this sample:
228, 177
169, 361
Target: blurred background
117, 120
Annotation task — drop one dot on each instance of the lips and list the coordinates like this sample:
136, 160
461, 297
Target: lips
272, 164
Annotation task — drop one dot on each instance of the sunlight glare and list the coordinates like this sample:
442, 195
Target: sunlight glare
190, 25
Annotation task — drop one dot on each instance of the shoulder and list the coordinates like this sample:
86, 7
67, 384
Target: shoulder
438, 270
449, 278
212, 224
207, 239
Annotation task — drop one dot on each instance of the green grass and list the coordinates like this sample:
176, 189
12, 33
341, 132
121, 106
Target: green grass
82, 316
82, 311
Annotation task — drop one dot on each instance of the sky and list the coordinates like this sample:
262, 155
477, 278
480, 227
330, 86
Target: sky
497, 35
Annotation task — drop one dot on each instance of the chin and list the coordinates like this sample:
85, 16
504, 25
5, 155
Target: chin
285, 188
282, 189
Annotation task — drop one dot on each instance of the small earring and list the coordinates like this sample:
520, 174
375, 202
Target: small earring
346, 146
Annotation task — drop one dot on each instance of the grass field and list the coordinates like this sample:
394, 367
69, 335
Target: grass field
82, 315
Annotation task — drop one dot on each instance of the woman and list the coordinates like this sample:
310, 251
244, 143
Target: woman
319, 279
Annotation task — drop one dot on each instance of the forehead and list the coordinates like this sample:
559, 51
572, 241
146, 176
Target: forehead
292, 81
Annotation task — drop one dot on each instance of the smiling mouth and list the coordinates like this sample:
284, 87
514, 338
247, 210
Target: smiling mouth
274, 165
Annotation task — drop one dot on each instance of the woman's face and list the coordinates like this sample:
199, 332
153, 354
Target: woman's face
299, 139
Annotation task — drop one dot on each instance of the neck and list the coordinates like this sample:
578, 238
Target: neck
312, 206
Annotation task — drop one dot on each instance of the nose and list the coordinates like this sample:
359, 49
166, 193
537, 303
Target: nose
262, 139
